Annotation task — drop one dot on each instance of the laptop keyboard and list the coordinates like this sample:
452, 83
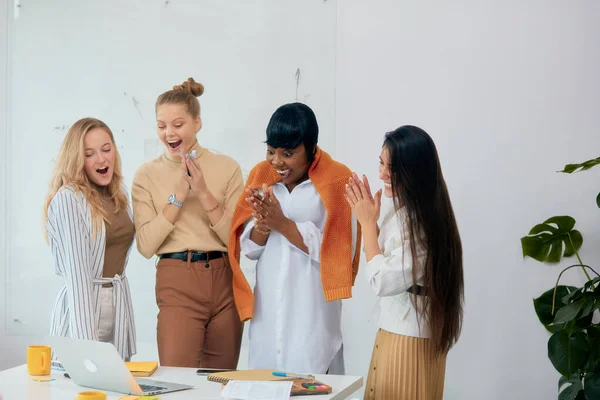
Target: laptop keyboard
150, 388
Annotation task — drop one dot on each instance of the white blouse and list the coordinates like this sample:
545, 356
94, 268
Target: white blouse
78, 257
293, 327
390, 275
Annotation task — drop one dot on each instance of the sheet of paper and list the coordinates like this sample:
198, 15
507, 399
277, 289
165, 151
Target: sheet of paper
254, 390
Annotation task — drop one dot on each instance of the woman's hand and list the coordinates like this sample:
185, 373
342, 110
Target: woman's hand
253, 198
269, 217
195, 178
365, 206
183, 186
268, 211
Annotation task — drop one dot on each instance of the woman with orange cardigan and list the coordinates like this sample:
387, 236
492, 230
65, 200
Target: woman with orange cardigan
293, 219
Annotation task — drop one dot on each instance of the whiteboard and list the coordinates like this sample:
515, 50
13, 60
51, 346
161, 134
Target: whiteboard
110, 60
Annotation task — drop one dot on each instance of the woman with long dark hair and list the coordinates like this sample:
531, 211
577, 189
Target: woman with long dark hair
414, 264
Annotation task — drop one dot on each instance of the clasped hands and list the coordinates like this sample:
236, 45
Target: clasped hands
266, 210
192, 178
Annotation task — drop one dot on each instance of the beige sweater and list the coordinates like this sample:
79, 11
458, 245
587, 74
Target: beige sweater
155, 181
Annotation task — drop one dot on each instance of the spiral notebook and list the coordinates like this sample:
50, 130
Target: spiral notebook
300, 387
245, 375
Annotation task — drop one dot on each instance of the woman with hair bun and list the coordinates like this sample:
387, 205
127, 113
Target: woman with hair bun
183, 203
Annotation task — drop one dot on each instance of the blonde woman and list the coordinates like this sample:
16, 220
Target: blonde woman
90, 230
183, 202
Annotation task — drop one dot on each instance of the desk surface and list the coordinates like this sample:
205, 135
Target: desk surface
16, 384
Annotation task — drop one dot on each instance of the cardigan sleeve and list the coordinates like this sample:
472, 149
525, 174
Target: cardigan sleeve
70, 247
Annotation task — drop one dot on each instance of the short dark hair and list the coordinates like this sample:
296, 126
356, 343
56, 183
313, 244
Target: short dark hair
292, 124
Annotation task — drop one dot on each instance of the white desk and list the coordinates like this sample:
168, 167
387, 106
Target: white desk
16, 384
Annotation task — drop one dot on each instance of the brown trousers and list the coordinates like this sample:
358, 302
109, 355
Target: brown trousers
198, 324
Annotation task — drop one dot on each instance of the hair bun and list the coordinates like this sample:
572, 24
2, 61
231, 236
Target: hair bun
191, 86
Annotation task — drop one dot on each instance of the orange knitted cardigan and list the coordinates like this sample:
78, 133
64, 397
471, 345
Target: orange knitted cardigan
338, 265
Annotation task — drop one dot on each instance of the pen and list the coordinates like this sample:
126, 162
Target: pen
289, 375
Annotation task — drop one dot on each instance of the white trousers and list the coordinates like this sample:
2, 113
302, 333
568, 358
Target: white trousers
106, 326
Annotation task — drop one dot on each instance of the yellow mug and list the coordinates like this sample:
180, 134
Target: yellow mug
39, 360
91, 396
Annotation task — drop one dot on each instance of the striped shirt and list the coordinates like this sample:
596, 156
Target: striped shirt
79, 260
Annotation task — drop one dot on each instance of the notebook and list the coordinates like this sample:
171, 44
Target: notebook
139, 368
300, 387
245, 375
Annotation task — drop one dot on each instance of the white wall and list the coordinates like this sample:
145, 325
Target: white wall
111, 60
4, 113
509, 90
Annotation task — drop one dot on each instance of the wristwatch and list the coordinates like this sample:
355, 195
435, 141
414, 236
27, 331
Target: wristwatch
173, 200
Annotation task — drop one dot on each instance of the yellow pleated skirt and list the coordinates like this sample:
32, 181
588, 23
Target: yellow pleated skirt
405, 368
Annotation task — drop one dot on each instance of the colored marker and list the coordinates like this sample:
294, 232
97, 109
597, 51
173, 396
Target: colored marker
297, 376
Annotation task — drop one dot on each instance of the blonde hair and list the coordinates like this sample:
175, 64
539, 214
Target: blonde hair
69, 170
186, 94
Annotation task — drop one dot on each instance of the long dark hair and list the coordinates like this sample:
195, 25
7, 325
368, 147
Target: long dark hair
418, 184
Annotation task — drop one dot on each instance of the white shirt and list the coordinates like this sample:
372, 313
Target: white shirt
390, 275
78, 258
293, 329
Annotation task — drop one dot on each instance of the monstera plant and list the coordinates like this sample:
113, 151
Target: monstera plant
567, 312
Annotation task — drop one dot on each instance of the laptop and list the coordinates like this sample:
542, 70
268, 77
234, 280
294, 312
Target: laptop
98, 365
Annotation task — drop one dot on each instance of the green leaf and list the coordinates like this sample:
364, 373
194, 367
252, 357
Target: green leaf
573, 388
568, 353
588, 307
543, 306
578, 325
593, 337
584, 322
598, 200
592, 365
572, 297
568, 313
594, 332
584, 166
551, 240
590, 283
591, 385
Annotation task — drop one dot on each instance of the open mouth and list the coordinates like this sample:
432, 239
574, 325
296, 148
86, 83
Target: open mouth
387, 185
174, 145
284, 173
102, 171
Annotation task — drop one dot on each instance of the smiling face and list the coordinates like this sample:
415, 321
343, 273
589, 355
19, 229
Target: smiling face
99, 151
176, 128
291, 164
385, 172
